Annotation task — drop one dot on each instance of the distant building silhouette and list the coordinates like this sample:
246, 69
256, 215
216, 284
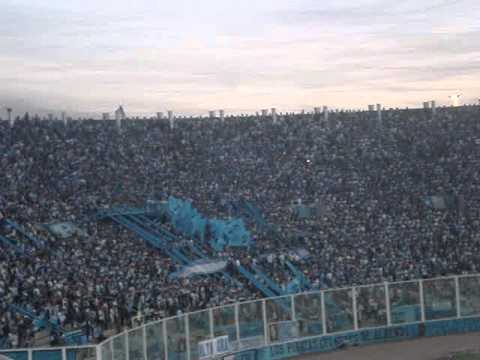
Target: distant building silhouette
120, 113
9, 114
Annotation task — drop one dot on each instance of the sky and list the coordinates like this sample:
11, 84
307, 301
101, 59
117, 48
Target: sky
89, 56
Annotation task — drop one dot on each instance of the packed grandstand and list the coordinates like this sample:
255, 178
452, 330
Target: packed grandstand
102, 228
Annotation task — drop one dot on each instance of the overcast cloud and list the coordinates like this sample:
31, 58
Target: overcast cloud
88, 56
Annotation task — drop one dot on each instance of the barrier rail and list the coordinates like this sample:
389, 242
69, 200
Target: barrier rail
367, 311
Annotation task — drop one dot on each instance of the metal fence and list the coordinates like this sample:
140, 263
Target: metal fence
254, 324
53, 353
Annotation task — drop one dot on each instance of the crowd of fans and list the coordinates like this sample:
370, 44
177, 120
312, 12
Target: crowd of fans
371, 183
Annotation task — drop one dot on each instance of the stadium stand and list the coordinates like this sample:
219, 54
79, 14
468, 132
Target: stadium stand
394, 200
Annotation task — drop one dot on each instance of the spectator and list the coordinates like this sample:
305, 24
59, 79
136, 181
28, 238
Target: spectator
371, 183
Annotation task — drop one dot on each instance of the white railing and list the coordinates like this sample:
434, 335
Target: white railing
264, 322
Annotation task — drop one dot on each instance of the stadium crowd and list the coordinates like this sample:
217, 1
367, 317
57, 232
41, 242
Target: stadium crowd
394, 200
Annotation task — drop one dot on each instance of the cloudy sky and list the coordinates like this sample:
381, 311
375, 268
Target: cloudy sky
88, 56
